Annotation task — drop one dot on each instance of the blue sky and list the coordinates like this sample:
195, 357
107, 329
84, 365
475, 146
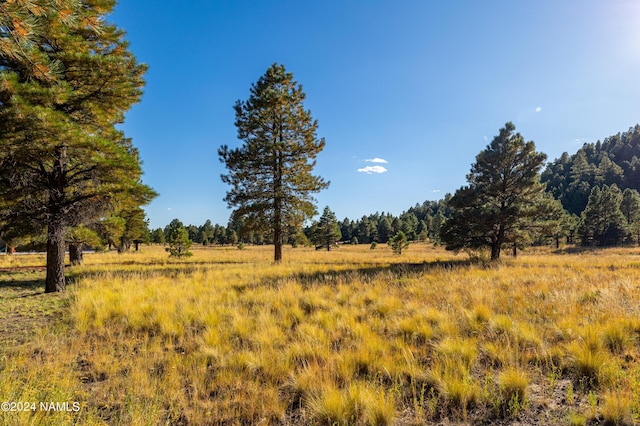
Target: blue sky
420, 87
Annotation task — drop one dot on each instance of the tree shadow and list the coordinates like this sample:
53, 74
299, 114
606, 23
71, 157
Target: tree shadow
366, 274
18, 287
576, 250
332, 277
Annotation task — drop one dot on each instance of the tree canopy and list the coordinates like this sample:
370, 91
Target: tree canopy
66, 79
615, 160
271, 173
603, 222
325, 232
503, 187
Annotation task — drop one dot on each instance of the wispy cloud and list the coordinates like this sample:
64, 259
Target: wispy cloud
538, 109
376, 160
372, 169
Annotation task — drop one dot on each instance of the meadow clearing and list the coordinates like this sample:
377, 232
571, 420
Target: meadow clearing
351, 336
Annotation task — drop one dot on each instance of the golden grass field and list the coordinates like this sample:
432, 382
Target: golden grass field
352, 336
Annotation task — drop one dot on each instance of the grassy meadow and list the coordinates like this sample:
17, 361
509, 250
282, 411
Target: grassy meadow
352, 336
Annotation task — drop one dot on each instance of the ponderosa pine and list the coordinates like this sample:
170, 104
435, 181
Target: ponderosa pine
66, 79
503, 189
270, 174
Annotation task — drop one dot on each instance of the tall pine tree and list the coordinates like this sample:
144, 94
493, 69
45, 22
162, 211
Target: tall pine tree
503, 190
325, 232
66, 80
602, 221
270, 174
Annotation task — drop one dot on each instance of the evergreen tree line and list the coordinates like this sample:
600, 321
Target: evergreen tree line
608, 215
598, 186
616, 160
421, 222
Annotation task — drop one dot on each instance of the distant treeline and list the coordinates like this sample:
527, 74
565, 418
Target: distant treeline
597, 186
421, 222
616, 160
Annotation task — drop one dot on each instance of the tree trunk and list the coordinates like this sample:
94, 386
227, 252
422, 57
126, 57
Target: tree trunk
54, 281
277, 211
495, 251
137, 243
515, 250
496, 244
55, 259
277, 242
75, 254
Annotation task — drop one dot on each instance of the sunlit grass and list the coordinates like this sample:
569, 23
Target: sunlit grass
351, 336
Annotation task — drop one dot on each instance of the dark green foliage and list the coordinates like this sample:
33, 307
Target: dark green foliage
398, 242
172, 226
630, 208
231, 237
501, 196
179, 243
270, 174
194, 233
136, 229
602, 222
421, 222
207, 233
157, 236
616, 160
67, 78
325, 232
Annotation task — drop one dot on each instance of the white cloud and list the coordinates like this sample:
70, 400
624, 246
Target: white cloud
169, 209
538, 109
372, 169
377, 160
436, 190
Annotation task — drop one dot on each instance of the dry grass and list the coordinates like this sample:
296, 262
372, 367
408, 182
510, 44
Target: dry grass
353, 336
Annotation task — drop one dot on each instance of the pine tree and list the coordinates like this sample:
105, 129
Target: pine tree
207, 233
326, 231
172, 226
66, 79
398, 242
630, 208
503, 187
179, 243
136, 229
270, 174
111, 229
157, 236
78, 237
602, 221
